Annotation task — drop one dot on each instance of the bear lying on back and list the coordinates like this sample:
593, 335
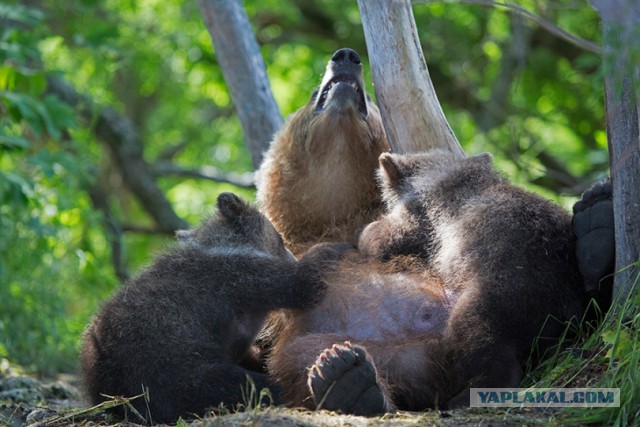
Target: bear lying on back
181, 329
493, 275
389, 311
317, 182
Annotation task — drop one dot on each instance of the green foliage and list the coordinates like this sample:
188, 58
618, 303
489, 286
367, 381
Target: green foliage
608, 357
621, 338
48, 262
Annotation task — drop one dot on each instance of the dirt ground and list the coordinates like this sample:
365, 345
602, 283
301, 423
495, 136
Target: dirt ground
25, 401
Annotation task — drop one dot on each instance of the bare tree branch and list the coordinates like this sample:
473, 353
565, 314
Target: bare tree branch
244, 71
513, 61
242, 180
100, 202
141, 229
558, 178
172, 151
125, 144
412, 116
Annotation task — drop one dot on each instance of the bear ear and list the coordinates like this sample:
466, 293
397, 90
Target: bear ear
482, 159
231, 206
391, 170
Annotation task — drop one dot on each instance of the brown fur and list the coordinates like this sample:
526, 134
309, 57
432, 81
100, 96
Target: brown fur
317, 180
182, 328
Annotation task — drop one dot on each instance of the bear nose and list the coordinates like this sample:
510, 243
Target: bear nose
346, 55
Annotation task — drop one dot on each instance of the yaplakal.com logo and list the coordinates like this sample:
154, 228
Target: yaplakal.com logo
545, 397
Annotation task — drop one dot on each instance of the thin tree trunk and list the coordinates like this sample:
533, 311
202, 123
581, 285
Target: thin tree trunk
621, 19
411, 113
244, 71
624, 156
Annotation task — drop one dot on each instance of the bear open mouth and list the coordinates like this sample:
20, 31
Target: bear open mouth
340, 82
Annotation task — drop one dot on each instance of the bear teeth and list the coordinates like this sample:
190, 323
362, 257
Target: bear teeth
324, 94
332, 84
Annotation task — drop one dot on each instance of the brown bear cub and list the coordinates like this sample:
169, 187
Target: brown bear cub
508, 255
180, 330
317, 182
500, 280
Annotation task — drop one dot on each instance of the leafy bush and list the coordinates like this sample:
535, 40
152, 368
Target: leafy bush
50, 274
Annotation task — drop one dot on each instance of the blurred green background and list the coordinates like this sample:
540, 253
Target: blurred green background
506, 85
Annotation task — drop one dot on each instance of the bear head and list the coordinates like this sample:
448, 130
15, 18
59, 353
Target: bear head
236, 225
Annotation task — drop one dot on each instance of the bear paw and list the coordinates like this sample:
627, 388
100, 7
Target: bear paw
344, 379
327, 252
593, 227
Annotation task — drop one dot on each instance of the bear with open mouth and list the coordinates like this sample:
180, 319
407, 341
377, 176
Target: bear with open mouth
317, 182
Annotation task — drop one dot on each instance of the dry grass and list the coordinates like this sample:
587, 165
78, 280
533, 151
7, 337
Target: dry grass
42, 415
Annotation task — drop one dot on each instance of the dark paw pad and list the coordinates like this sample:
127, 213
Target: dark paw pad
344, 379
594, 229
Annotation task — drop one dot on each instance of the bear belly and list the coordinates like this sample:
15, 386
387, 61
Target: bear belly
384, 307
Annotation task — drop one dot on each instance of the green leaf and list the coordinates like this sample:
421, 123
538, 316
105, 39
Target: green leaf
7, 77
62, 115
14, 189
13, 142
32, 83
47, 120
17, 14
620, 342
21, 107
49, 114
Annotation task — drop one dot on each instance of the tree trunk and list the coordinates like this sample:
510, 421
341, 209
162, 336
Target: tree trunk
621, 19
412, 116
244, 71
